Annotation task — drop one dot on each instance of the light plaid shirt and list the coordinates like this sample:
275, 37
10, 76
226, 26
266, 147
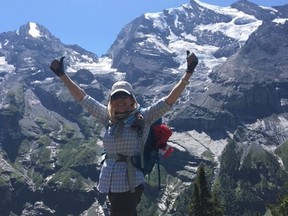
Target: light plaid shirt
114, 175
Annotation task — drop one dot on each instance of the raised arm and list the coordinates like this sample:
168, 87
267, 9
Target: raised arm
58, 68
192, 62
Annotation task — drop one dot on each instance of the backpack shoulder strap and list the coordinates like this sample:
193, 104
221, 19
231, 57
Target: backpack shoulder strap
140, 124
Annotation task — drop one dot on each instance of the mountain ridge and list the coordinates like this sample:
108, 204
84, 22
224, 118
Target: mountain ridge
47, 141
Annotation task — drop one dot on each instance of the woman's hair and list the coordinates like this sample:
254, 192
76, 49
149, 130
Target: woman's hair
111, 112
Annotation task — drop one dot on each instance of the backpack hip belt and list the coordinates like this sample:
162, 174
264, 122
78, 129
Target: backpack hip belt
127, 159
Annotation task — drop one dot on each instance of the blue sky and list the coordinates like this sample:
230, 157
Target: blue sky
92, 24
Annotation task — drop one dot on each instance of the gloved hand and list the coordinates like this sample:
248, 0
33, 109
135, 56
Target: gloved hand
58, 66
192, 62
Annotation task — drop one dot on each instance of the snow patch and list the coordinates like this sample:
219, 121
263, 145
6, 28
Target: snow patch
5, 67
33, 31
6, 42
273, 10
103, 66
100, 67
280, 20
233, 29
152, 15
209, 6
46, 81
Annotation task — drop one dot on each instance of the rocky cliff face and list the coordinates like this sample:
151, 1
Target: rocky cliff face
236, 103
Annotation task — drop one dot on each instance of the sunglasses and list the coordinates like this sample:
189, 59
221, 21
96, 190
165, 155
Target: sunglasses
120, 95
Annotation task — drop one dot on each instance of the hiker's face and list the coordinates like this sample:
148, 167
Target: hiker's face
122, 102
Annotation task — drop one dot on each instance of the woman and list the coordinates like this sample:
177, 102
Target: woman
123, 182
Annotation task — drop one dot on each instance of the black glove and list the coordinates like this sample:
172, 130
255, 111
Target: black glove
58, 66
192, 62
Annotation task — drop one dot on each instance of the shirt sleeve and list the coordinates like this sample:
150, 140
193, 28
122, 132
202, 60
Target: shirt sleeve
96, 109
156, 111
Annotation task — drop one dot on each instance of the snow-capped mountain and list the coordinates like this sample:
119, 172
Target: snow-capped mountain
238, 92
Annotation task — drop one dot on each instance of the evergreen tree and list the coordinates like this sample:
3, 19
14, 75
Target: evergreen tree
195, 208
218, 209
202, 202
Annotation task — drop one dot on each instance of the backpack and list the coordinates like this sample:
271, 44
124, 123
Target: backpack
155, 145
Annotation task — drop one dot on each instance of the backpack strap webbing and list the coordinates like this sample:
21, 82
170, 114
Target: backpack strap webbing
139, 124
159, 178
